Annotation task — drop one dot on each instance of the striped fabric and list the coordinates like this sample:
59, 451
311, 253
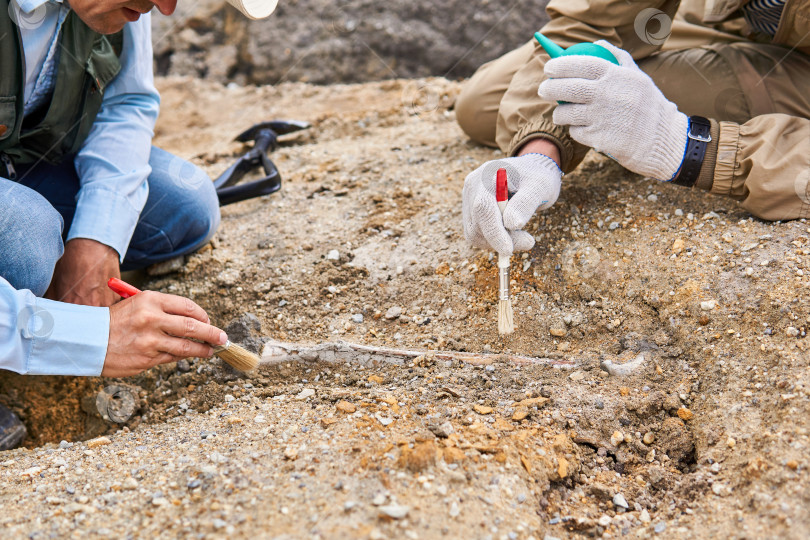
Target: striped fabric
764, 15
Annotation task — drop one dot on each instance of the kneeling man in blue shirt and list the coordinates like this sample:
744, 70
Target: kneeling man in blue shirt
84, 194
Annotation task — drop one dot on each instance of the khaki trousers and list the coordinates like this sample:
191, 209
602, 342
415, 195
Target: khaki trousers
758, 94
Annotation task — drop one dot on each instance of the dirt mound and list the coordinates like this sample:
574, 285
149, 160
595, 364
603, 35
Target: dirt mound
686, 412
321, 41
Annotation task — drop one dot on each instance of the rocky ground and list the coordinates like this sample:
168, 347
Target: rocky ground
669, 394
325, 42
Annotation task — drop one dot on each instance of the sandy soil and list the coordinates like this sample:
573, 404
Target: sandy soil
706, 308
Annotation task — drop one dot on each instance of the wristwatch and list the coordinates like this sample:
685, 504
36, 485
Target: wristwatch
698, 137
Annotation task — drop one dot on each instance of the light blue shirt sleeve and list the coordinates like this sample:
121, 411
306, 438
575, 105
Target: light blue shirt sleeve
113, 163
43, 337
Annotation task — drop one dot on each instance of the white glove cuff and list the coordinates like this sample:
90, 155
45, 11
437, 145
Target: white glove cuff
669, 150
542, 160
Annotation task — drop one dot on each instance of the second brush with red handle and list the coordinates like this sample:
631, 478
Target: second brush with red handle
506, 318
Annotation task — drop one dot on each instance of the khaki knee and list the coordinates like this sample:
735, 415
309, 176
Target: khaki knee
474, 114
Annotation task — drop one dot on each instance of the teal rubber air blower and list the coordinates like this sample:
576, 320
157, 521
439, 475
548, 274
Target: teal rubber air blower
580, 49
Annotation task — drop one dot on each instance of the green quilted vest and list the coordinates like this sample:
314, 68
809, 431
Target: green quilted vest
88, 61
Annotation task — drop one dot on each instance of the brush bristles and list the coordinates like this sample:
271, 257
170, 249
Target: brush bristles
238, 357
506, 317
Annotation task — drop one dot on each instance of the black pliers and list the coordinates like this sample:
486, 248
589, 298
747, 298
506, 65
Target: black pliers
265, 137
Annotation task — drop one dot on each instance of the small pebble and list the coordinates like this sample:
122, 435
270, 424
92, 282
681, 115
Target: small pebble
100, 441
443, 430
708, 305
395, 511
357, 318
620, 501
644, 517
333, 255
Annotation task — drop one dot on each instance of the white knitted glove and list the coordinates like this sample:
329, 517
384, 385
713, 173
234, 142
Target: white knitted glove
535, 181
617, 110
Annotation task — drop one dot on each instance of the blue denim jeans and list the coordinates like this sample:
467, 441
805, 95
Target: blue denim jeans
180, 216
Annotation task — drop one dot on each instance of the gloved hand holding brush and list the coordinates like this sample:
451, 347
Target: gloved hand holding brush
617, 110
534, 183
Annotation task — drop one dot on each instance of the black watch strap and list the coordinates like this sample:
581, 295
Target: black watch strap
698, 137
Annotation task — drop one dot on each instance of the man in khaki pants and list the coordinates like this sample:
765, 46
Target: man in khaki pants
743, 65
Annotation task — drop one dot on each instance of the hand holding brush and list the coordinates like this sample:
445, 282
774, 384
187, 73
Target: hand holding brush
494, 220
506, 318
166, 328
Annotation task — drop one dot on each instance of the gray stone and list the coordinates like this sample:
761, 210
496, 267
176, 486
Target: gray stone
442, 430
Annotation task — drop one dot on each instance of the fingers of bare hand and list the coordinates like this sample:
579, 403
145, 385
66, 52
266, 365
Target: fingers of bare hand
160, 358
185, 348
187, 327
177, 305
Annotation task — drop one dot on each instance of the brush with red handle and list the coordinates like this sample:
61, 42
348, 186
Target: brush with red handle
506, 317
233, 354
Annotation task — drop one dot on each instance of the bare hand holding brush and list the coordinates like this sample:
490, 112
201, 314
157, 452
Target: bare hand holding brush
154, 328
169, 333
